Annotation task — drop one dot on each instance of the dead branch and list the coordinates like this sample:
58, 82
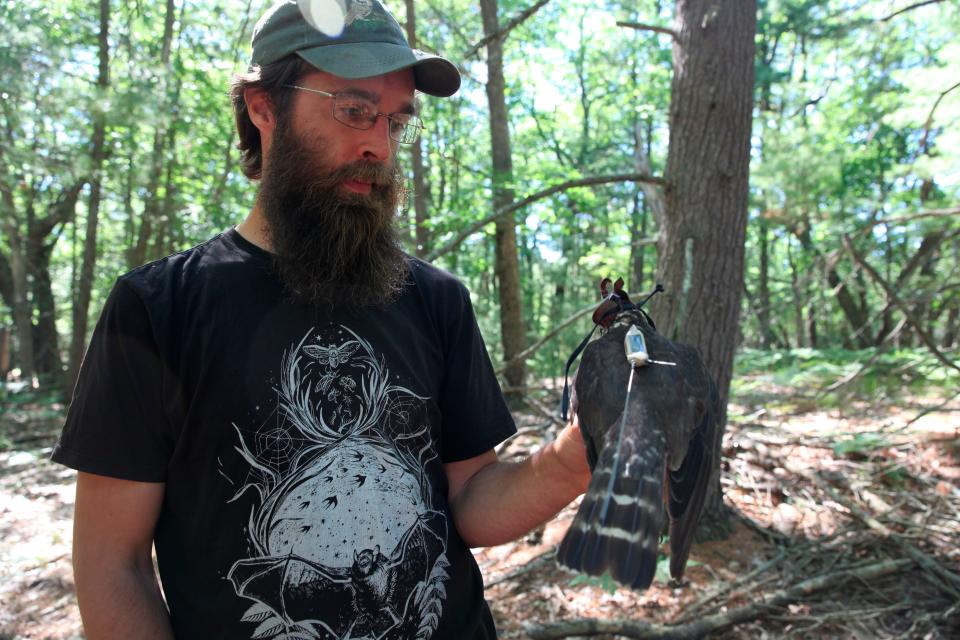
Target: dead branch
540, 195
930, 410
639, 26
895, 299
529, 351
533, 563
717, 622
514, 22
546, 412
951, 581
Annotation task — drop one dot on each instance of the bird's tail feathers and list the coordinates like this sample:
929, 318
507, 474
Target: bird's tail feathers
617, 527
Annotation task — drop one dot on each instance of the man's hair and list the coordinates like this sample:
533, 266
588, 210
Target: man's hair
272, 78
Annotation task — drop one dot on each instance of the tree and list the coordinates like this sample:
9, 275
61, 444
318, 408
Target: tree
701, 240
81, 304
512, 332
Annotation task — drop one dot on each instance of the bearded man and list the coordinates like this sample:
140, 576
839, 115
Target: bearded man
300, 417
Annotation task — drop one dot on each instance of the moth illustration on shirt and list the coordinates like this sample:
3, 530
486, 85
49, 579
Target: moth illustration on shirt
346, 541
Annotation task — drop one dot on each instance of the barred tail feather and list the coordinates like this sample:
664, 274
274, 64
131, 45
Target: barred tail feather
617, 527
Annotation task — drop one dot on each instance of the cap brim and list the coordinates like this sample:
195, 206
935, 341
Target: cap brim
432, 74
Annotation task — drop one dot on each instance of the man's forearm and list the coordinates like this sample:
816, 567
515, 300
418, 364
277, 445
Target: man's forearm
505, 500
121, 602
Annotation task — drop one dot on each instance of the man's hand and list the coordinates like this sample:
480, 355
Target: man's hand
494, 502
117, 588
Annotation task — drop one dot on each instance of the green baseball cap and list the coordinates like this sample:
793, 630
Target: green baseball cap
350, 39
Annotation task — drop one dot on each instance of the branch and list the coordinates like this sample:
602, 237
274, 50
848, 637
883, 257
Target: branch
929, 123
523, 355
895, 299
515, 22
950, 581
911, 7
639, 26
932, 213
716, 623
540, 195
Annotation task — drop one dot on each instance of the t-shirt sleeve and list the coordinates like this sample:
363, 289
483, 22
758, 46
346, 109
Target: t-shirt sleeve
116, 424
475, 416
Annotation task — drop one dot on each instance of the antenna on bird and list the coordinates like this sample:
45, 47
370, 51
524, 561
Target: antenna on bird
658, 289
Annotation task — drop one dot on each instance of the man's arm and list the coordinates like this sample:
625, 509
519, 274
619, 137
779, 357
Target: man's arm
117, 587
494, 502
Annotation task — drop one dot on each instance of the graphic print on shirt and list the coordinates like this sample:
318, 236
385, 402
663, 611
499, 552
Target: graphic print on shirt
345, 539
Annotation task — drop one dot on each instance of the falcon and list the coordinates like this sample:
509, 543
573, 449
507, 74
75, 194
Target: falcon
651, 450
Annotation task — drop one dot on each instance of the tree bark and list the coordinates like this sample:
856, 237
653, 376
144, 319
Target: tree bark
81, 305
22, 307
421, 238
701, 241
507, 267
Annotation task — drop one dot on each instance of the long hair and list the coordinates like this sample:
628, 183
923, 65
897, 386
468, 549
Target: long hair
273, 79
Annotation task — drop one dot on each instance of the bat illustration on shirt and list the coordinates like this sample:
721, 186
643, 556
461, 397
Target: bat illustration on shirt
374, 594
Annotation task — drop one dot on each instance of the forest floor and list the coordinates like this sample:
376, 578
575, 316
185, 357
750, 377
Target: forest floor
846, 523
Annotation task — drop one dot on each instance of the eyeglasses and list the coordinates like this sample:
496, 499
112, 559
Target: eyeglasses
359, 113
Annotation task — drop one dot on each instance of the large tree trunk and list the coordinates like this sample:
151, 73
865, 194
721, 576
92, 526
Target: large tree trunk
81, 305
701, 241
507, 263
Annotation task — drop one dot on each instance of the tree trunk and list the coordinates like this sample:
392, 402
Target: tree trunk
701, 240
85, 283
46, 341
421, 238
152, 208
507, 267
763, 308
22, 307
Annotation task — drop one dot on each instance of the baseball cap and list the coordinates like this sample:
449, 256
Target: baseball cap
350, 39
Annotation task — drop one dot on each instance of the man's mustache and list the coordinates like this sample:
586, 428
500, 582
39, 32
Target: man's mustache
374, 173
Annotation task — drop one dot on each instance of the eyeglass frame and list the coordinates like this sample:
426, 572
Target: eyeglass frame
391, 117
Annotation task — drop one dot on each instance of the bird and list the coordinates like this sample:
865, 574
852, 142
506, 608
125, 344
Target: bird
651, 451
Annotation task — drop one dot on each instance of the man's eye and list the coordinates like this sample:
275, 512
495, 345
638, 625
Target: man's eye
355, 110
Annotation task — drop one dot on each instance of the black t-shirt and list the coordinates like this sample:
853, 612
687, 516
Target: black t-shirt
302, 450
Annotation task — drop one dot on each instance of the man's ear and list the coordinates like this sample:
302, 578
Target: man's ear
260, 109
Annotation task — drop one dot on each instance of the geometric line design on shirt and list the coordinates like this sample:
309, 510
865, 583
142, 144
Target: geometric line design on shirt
346, 541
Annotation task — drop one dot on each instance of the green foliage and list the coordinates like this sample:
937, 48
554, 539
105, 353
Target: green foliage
891, 373
841, 138
860, 444
604, 582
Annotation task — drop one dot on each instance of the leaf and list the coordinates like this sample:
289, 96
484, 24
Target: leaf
257, 612
267, 628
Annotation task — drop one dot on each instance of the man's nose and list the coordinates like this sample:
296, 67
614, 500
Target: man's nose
375, 144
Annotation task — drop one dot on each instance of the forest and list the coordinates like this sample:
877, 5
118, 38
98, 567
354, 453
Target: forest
788, 170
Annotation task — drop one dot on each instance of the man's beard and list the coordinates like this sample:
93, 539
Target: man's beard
331, 248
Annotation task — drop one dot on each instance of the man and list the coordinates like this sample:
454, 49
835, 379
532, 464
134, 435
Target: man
300, 417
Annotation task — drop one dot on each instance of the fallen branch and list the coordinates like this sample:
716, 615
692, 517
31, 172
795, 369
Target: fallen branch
531, 564
951, 581
717, 622
540, 195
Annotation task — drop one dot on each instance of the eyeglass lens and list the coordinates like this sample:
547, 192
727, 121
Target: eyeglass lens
360, 113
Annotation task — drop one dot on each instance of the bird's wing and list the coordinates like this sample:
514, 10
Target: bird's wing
688, 487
